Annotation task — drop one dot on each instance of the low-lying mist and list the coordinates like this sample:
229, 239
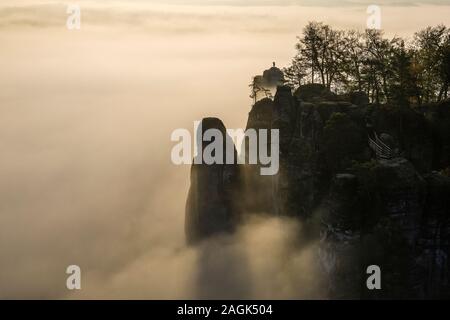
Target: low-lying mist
85, 170
86, 175
262, 260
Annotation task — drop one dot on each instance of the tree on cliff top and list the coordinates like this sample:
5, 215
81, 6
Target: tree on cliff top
387, 70
320, 53
432, 54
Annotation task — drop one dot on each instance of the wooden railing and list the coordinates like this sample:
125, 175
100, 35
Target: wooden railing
381, 149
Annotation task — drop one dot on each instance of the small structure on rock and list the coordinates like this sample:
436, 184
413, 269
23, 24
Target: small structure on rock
265, 85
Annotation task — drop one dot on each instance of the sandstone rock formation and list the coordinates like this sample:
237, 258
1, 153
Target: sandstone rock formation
213, 204
391, 212
258, 188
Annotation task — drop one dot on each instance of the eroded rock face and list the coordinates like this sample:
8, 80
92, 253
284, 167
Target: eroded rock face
357, 97
314, 92
293, 192
259, 188
402, 225
433, 245
213, 204
411, 130
439, 117
394, 213
381, 229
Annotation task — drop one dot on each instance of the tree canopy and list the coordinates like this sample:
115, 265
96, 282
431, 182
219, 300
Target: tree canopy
388, 70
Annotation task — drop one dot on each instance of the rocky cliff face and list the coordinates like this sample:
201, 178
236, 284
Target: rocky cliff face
258, 188
213, 204
294, 184
392, 212
433, 244
374, 220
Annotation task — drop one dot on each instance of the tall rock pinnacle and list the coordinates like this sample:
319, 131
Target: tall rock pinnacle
213, 201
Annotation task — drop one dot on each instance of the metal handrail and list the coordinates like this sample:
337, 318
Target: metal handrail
381, 149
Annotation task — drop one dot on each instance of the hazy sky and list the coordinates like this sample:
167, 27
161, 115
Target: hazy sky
277, 2
85, 123
302, 2
286, 18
